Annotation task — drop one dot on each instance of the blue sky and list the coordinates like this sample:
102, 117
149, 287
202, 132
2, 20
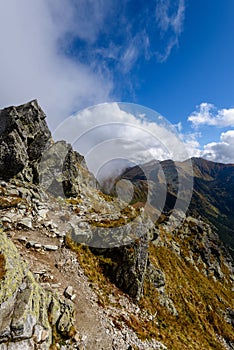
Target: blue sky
175, 57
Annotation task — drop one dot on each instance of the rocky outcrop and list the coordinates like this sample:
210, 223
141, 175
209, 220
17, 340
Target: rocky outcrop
63, 171
128, 266
30, 317
24, 135
157, 278
27, 152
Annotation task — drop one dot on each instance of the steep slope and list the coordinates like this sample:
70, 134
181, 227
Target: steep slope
213, 197
213, 190
99, 273
45, 203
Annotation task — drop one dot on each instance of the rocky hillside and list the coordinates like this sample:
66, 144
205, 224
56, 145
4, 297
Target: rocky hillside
213, 190
82, 270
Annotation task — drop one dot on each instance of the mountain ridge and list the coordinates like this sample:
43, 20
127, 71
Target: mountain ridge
93, 271
213, 189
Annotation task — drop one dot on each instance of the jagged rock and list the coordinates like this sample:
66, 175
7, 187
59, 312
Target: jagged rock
129, 266
28, 152
167, 302
24, 136
62, 170
229, 317
65, 321
68, 292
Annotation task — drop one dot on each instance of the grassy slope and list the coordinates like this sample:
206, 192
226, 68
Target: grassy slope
198, 300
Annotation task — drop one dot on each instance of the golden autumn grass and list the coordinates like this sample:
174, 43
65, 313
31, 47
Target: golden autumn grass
200, 301
2, 266
93, 268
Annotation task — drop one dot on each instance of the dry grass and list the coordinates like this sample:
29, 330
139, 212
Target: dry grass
93, 267
197, 300
200, 301
9, 202
107, 197
74, 201
2, 266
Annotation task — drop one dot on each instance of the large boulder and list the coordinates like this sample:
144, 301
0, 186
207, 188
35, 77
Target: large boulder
24, 136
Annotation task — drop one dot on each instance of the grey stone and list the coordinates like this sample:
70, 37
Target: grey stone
21, 345
37, 245
40, 334
25, 222
65, 322
12, 192
50, 247
156, 276
68, 292
43, 213
6, 219
129, 266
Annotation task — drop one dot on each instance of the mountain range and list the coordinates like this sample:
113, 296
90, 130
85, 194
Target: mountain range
212, 190
81, 269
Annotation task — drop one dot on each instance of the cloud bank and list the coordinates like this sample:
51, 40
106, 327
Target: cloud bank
73, 54
31, 65
122, 135
221, 151
208, 114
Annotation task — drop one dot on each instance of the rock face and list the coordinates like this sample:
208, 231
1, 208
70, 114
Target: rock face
129, 265
200, 246
28, 152
24, 135
29, 316
63, 171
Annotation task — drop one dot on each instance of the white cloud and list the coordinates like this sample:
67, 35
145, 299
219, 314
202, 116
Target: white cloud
32, 66
83, 18
170, 18
208, 114
192, 144
222, 151
108, 132
72, 54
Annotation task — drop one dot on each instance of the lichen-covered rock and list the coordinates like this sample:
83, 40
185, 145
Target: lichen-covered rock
28, 313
